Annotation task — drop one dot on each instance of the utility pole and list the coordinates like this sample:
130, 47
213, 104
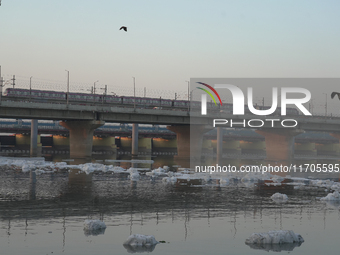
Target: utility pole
94, 91
31, 87
68, 86
188, 96
144, 91
134, 93
13, 81
104, 95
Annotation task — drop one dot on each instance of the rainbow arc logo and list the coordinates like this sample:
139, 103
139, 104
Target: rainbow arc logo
209, 93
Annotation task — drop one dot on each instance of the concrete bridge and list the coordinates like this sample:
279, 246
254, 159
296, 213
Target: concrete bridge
239, 143
82, 120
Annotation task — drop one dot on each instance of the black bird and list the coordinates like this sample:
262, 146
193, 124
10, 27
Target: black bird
124, 28
335, 94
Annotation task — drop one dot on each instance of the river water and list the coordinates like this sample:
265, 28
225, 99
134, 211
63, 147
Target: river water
44, 214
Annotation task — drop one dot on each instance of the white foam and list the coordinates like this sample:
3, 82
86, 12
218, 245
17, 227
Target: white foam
141, 240
94, 225
224, 181
335, 196
323, 183
278, 197
158, 172
254, 177
275, 237
134, 176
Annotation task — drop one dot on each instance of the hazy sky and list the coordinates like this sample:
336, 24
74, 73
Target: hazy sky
167, 42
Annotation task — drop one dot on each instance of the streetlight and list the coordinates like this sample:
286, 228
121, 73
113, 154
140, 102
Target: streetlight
104, 94
134, 93
94, 91
68, 86
30, 87
188, 95
1, 81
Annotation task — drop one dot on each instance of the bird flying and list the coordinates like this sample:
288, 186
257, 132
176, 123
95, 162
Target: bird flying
124, 28
335, 94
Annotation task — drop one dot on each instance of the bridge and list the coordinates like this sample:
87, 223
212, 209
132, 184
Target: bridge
82, 120
157, 140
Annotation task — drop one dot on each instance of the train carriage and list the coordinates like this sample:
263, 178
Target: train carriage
140, 102
180, 104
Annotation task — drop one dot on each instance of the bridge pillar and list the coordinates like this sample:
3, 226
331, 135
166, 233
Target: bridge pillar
189, 141
34, 138
81, 136
279, 143
134, 151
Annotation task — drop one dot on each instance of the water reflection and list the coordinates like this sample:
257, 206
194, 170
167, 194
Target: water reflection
33, 180
94, 232
59, 202
275, 247
139, 249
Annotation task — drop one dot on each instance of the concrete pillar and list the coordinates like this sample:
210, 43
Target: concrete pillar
279, 143
219, 146
81, 136
134, 151
189, 140
34, 138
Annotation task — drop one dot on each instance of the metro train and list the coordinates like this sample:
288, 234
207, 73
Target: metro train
140, 102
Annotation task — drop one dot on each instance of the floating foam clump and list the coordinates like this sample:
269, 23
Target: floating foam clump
94, 227
172, 179
157, 172
335, 196
323, 183
134, 176
117, 169
275, 237
141, 240
278, 197
224, 181
254, 177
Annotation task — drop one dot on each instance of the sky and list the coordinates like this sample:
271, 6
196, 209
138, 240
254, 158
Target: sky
167, 42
